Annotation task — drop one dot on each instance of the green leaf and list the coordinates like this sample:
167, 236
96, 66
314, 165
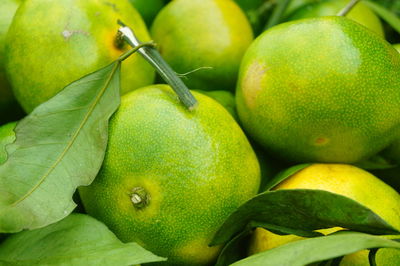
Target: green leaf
58, 147
76, 240
317, 249
385, 14
7, 136
285, 174
392, 5
233, 250
301, 211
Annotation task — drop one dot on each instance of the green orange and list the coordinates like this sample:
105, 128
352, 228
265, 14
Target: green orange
320, 90
360, 13
348, 181
52, 43
209, 36
172, 176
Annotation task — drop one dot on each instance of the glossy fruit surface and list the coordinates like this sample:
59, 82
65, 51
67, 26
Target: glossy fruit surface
348, 181
360, 13
225, 98
320, 90
208, 34
192, 169
52, 43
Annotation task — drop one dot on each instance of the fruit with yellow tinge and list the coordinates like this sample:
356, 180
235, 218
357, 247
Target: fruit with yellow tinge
348, 181
360, 13
52, 43
320, 90
208, 37
172, 176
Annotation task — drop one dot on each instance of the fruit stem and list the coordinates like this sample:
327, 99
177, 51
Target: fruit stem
133, 50
140, 198
348, 8
277, 13
151, 54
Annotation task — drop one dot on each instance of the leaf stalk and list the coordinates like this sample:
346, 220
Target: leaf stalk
348, 8
151, 54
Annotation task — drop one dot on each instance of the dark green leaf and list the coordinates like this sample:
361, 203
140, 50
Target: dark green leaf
285, 174
317, 249
233, 250
58, 147
372, 256
77, 240
301, 211
385, 14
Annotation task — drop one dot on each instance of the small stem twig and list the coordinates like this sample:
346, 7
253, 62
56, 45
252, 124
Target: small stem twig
277, 13
348, 8
150, 53
133, 50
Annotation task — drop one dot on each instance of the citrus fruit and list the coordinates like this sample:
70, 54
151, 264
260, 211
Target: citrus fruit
397, 47
205, 37
7, 136
7, 101
171, 176
44, 53
225, 98
360, 13
320, 90
148, 9
348, 181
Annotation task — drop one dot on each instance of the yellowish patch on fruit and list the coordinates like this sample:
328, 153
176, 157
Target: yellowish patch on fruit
252, 82
191, 251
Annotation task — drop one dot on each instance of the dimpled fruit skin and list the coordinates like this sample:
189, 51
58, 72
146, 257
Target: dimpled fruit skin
52, 43
197, 167
320, 90
348, 181
360, 13
7, 136
203, 33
